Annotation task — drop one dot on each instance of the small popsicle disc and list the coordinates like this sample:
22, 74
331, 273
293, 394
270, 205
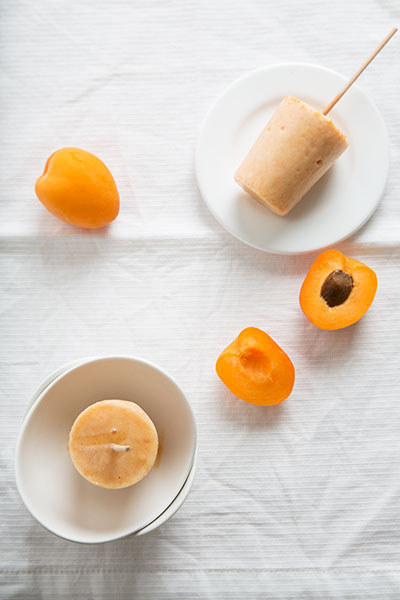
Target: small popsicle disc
113, 443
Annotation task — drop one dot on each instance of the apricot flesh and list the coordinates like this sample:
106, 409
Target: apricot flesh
78, 188
337, 290
256, 369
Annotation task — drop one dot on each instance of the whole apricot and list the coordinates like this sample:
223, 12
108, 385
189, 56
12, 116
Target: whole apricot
78, 188
256, 369
337, 291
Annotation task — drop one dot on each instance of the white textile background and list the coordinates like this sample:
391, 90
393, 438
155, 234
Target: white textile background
300, 501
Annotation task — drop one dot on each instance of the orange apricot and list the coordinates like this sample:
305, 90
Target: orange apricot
256, 369
77, 187
337, 291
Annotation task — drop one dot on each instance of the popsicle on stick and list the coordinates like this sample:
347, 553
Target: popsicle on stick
297, 147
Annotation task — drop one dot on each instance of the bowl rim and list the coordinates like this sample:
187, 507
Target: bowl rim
166, 515
60, 374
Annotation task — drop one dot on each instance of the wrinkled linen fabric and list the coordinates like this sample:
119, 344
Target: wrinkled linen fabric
298, 501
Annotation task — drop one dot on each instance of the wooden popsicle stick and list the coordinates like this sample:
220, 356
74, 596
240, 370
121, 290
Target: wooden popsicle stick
360, 70
115, 447
120, 448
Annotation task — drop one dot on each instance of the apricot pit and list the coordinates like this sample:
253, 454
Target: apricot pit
337, 288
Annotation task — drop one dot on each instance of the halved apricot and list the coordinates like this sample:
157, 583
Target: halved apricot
256, 369
77, 187
337, 291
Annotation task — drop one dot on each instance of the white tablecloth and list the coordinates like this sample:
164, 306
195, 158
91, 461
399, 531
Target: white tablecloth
292, 502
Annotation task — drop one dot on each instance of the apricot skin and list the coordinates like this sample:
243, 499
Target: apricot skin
78, 188
357, 302
255, 369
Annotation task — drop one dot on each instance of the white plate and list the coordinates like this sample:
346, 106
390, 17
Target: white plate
339, 204
64, 502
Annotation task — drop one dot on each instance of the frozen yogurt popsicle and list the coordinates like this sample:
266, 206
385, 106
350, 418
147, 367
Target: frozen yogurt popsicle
298, 145
113, 443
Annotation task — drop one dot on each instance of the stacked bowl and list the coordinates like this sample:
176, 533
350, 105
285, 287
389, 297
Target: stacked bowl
51, 488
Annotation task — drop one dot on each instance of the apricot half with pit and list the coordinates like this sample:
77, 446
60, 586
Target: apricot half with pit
78, 188
256, 369
337, 291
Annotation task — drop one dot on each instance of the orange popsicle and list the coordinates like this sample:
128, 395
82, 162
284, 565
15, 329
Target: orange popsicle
113, 443
298, 145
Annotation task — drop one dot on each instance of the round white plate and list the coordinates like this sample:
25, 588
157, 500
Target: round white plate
63, 501
339, 204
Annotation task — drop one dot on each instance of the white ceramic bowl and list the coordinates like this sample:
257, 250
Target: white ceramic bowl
176, 504
182, 495
64, 502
